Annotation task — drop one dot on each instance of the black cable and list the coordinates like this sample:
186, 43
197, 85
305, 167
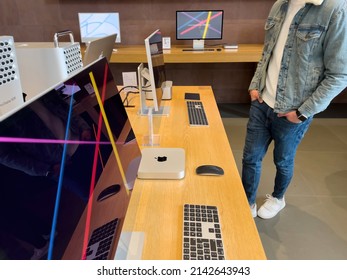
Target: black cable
123, 88
126, 100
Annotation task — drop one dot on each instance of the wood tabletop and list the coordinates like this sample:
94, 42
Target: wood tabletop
156, 206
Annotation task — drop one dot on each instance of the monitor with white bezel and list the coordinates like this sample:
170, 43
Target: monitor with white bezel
96, 25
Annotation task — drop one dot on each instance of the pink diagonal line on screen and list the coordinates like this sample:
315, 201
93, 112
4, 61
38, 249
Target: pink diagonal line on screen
93, 179
100, 156
199, 24
49, 141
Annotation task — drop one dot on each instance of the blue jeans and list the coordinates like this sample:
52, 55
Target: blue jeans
264, 126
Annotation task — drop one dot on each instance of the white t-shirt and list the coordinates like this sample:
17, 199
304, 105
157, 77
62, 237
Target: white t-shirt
269, 94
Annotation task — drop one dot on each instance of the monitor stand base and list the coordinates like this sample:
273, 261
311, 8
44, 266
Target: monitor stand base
198, 44
163, 111
151, 140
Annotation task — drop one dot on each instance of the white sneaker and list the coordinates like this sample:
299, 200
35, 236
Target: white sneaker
254, 210
271, 207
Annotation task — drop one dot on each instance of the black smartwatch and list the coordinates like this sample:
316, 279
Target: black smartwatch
300, 116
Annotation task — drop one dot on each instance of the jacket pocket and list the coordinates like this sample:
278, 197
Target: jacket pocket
310, 32
308, 37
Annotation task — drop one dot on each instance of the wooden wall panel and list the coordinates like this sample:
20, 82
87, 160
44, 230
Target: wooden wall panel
38, 20
229, 80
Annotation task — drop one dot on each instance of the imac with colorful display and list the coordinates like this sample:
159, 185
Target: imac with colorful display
152, 80
199, 25
97, 25
68, 159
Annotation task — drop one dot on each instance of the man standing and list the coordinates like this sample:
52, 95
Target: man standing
303, 67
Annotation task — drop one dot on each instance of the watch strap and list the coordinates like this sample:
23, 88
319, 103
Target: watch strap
300, 116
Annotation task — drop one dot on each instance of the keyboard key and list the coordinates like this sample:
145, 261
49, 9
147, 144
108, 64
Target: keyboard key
100, 241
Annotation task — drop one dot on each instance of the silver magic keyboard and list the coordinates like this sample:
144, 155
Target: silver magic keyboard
101, 240
196, 113
202, 236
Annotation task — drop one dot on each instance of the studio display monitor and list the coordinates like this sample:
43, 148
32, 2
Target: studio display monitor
61, 179
152, 80
99, 47
97, 25
199, 25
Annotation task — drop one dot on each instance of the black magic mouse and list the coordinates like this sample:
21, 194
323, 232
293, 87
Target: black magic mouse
209, 170
109, 191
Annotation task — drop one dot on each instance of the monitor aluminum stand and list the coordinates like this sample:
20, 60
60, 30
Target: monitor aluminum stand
143, 76
198, 44
151, 139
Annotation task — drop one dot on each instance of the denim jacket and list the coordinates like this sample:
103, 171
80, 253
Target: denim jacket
314, 62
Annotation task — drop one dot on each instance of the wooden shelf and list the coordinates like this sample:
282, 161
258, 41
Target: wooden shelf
137, 54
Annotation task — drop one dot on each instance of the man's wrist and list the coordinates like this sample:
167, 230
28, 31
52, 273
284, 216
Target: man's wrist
300, 116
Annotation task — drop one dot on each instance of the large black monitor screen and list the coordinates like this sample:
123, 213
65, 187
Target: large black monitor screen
57, 156
199, 25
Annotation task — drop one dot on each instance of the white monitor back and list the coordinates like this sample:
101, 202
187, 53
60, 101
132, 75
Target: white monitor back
99, 48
